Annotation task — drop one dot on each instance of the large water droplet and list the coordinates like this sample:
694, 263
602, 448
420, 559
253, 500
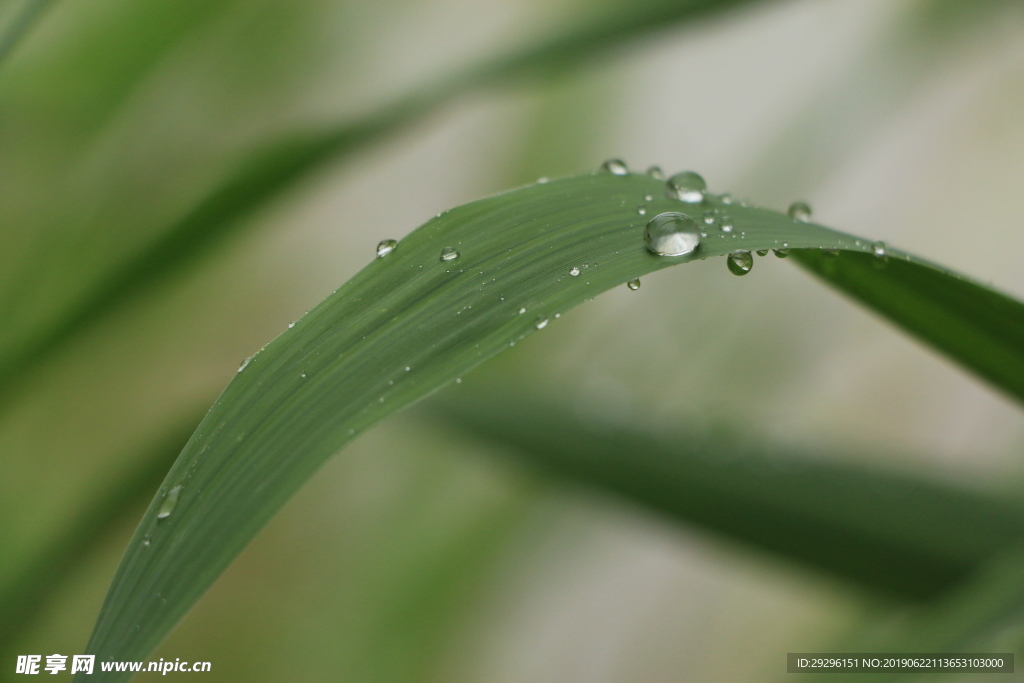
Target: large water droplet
688, 187
799, 211
672, 234
655, 172
574, 271
740, 262
170, 501
385, 247
449, 254
634, 284
541, 323
615, 167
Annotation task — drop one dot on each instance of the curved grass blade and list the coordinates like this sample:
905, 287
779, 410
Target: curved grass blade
978, 327
897, 535
404, 326
272, 169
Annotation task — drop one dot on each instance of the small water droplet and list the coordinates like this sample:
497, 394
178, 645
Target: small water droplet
641, 210
522, 310
449, 254
574, 271
831, 253
879, 249
291, 325
407, 368
726, 198
169, 503
672, 234
634, 284
762, 252
385, 247
688, 187
709, 217
799, 211
740, 262
726, 227
648, 197
244, 363
542, 180
458, 380
656, 173
541, 323
615, 167
145, 540
303, 375
782, 253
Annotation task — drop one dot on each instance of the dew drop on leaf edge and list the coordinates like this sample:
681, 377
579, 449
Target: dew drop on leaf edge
740, 262
656, 173
672, 234
687, 187
540, 323
169, 502
799, 211
385, 247
634, 284
615, 167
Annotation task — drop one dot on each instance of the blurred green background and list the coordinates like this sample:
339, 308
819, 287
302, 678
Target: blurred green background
422, 553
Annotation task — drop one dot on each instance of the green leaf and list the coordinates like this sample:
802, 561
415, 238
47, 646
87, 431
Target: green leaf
976, 326
404, 326
902, 536
342, 368
271, 169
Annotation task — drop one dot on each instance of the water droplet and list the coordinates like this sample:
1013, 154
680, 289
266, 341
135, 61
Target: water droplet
799, 211
522, 310
762, 252
169, 503
407, 368
542, 180
458, 380
385, 247
634, 284
656, 173
726, 227
641, 210
615, 167
782, 253
648, 197
740, 262
688, 187
879, 249
726, 198
574, 271
145, 540
709, 217
291, 325
672, 234
449, 254
541, 323
832, 253
244, 363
